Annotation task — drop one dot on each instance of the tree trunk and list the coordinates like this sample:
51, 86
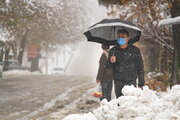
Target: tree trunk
6, 61
2, 54
35, 64
176, 29
22, 45
164, 60
152, 60
14, 49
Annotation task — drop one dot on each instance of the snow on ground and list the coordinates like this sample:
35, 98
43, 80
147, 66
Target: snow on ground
62, 97
137, 104
12, 73
86, 97
151, 75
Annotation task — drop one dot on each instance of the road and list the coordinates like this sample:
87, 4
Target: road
52, 97
45, 97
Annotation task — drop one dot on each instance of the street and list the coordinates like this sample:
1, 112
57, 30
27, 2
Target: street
45, 96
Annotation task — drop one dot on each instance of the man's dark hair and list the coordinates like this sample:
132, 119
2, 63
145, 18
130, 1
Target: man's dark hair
123, 31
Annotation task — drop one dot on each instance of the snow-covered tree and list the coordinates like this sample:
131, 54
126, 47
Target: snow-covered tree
51, 22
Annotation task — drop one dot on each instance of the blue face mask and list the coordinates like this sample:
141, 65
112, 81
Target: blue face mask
121, 41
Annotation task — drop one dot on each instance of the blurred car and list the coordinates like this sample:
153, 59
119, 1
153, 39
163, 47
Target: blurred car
15, 65
57, 70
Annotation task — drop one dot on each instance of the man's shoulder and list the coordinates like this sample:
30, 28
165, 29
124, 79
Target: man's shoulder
134, 47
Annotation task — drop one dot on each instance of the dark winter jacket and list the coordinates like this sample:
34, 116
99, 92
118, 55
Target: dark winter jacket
103, 73
128, 65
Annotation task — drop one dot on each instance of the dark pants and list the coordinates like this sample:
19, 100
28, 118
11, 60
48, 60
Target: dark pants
106, 90
119, 84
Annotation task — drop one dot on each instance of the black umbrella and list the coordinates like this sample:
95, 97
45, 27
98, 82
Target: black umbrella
105, 31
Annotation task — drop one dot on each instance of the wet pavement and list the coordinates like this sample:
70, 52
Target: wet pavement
45, 97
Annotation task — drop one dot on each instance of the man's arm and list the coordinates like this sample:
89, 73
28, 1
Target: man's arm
140, 69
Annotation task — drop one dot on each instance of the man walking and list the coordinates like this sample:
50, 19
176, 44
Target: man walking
126, 61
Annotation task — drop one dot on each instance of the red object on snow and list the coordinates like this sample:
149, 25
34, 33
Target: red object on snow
97, 94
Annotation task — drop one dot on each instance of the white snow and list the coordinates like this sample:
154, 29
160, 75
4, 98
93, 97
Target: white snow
153, 75
7, 2
87, 95
137, 104
12, 73
169, 21
88, 116
5, 35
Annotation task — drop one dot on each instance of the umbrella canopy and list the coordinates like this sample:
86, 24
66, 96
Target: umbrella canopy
105, 31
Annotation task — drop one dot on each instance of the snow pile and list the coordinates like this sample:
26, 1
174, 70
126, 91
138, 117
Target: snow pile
154, 75
137, 104
13, 73
88, 116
